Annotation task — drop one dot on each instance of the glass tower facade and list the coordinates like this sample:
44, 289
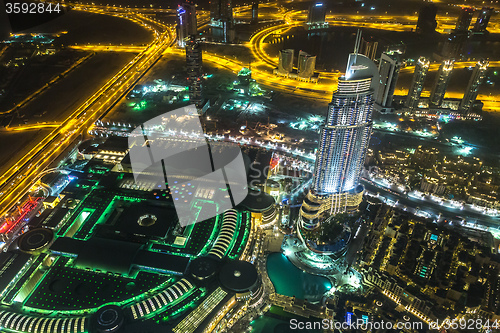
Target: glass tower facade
389, 66
417, 83
344, 138
472, 89
441, 83
187, 25
343, 144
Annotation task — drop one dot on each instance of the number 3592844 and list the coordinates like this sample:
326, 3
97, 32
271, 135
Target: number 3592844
31, 8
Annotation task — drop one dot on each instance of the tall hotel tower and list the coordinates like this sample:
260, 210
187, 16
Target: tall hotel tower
187, 26
472, 89
441, 83
483, 20
389, 66
343, 144
417, 83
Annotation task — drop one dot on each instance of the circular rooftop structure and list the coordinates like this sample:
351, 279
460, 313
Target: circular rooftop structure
203, 268
147, 220
239, 276
35, 240
258, 201
108, 319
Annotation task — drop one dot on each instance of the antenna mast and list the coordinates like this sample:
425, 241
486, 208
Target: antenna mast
357, 44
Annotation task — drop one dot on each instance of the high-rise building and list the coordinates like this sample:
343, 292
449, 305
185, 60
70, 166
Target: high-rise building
389, 67
255, 13
223, 30
221, 9
222, 23
187, 24
441, 83
483, 20
343, 144
369, 48
285, 64
194, 61
427, 19
472, 89
453, 46
417, 83
317, 13
464, 19
306, 65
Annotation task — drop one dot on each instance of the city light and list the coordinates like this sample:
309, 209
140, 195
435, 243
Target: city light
368, 141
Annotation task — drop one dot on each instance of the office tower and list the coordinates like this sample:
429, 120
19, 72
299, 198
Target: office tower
369, 48
417, 83
441, 83
221, 9
223, 30
427, 19
306, 65
255, 13
317, 13
187, 25
343, 143
453, 46
388, 68
483, 20
472, 89
222, 23
285, 64
194, 62
464, 19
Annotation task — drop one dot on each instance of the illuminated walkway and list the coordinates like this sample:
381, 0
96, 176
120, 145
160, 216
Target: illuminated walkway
30, 324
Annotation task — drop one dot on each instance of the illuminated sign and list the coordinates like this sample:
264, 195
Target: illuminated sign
348, 318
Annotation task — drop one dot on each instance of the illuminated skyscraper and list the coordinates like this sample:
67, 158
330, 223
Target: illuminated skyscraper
441, 83
343, 143
472, 89
306, 65
389, 66
317, 13
464, 19
194, 62
187, 25
417, 83
285, 64
483, 20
